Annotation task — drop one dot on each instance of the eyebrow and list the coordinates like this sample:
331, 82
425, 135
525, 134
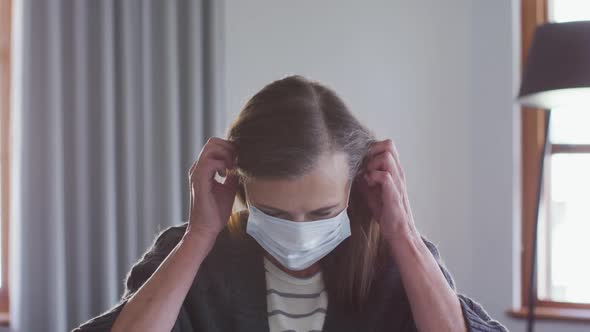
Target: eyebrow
311, 212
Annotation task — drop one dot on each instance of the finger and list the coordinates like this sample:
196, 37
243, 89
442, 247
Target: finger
385, 180
381, 162
207, 177
365, 191
230, 164
219, 154
381, 146
216, 148
210, 157
231, 181
397, 163
386, 162
222, 166
388, 146
222, 143
218, 144
378, 148
192, 168
406, 204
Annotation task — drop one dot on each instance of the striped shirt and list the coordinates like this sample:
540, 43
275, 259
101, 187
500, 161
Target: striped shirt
294, 304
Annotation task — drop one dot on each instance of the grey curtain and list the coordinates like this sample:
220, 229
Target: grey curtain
112, 102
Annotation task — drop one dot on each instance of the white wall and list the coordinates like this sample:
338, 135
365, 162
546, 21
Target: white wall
403, 67
436, 77
496, 164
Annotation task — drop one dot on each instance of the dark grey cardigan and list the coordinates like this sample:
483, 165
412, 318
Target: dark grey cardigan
229, 293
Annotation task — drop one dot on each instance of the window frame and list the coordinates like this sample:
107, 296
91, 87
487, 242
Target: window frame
533, 14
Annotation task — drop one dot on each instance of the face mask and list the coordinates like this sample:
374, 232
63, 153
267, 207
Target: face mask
297, 245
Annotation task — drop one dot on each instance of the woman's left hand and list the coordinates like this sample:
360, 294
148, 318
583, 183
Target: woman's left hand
435, 305
382, 182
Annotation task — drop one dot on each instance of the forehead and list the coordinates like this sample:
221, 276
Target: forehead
327, 183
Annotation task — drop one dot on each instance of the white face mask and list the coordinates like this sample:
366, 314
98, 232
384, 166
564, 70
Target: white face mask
297, 245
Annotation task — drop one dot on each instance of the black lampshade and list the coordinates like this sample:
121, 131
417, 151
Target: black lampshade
557, 71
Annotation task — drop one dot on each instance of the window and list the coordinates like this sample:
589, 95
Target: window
5, 11
568, 10
563, 290
564, 231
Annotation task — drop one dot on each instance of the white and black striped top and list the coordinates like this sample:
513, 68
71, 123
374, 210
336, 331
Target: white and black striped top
294, 304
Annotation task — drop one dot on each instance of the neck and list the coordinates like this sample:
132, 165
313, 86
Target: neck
308, 272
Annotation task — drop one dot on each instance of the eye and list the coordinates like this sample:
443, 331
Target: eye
276, 214
272, 214
323, 214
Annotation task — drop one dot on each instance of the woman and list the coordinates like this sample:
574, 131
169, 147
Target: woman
327, 241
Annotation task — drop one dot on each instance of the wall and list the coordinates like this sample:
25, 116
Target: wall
496, 164
438, 78
403, 67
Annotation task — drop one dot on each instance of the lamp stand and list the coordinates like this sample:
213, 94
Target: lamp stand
532, 281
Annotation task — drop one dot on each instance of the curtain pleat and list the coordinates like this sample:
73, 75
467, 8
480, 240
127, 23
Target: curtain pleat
108, 116
108, 85
147, 188
56, 206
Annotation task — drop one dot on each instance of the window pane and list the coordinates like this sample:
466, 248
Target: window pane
569, 10
568, 243
570, 125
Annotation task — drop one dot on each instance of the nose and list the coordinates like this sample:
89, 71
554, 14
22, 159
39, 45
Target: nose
299, 218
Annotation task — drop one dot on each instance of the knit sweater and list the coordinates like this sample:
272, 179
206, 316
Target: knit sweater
229, 293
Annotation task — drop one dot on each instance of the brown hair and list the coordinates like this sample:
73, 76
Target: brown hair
280, 133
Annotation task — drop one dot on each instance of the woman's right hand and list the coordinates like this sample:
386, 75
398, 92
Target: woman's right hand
210, 201
155, 305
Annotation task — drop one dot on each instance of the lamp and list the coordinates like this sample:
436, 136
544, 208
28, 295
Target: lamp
556, 74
